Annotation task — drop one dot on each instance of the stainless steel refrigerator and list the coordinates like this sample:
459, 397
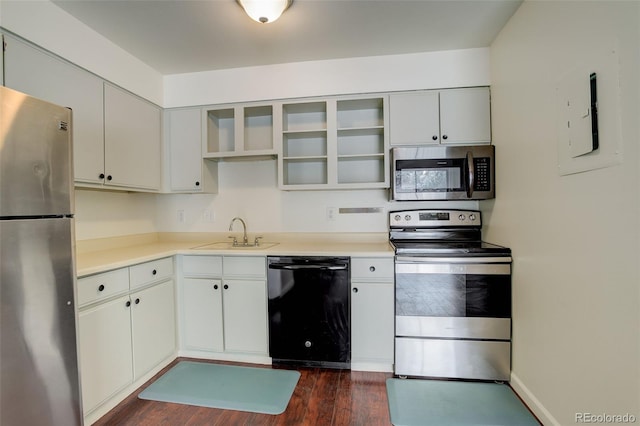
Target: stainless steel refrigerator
38, 353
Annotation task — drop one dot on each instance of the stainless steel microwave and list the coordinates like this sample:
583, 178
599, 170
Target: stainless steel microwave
443, 172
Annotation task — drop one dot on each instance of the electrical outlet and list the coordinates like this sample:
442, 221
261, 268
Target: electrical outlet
208, 216
181, 218
332, 212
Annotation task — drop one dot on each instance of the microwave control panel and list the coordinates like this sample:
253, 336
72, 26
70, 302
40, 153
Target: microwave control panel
481, 170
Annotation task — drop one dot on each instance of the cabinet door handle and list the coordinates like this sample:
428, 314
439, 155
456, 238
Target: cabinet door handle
226, 287
355, 289
128, 303
101, 175
101, 287
197, 183
372, 268
137, 301
215, 286
154, 272
434, 137
445, 137
109, 177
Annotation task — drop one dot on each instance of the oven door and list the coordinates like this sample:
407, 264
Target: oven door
453, 318
458, 297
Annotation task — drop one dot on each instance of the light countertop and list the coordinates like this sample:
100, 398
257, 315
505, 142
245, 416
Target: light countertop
94, 256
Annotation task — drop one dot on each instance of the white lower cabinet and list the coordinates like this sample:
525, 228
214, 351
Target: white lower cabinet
224, 306
245, 316
105, 351
372, 314
202, 314
124, 334
153, 326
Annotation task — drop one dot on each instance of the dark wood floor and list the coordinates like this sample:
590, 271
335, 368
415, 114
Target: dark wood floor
321, 397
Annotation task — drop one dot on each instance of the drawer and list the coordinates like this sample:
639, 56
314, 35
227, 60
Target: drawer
372, 268
202, 266
149, 272
243, 266
102, 286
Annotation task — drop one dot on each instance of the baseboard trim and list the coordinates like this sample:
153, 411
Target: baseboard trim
532, 402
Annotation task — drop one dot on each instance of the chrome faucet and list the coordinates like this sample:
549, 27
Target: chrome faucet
245, 240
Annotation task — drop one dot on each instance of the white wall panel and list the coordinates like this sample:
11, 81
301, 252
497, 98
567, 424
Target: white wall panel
575, 238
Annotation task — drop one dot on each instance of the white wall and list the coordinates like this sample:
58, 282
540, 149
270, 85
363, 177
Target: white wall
575, 238
50, 27
249, 189
101, 214
429, 70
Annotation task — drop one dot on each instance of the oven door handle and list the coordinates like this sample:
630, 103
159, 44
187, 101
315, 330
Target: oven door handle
453, 268
456, 260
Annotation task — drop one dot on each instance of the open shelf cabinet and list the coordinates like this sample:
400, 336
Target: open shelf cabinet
334, 144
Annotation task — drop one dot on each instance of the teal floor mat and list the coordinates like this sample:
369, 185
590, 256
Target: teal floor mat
417, 402
258, 390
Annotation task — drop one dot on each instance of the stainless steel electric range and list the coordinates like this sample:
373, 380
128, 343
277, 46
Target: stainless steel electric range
452, 297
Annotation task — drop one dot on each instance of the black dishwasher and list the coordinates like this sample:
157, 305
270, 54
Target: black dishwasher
309, 311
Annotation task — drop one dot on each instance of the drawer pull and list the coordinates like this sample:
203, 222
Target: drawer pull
101, 287
355, 289
154, 272
372, 268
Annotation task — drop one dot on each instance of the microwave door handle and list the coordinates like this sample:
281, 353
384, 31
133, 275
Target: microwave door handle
471, 179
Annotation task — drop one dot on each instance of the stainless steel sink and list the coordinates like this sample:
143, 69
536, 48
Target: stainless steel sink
228, 245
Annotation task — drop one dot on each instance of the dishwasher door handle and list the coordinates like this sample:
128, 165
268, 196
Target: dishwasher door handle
299, 267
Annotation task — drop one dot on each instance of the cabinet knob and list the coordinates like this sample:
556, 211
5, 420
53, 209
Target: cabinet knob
137, 301
215, 286
101, 287
445, 137
197, 183
101, 175
154, 272
109, 177
434, 137
226, 287
355, 289
372, 268
128, 303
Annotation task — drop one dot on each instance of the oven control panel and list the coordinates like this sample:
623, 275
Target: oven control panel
434, 218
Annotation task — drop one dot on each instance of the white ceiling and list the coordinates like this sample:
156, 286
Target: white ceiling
180, 36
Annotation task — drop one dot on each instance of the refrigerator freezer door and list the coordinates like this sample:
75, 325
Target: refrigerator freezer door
38, 359
36, 174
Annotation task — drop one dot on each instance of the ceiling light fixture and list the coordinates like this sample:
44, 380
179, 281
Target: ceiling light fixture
264, 11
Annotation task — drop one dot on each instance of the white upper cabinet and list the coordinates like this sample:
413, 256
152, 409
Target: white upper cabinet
414, 118
188, 172
131, 140
44, 76
116, 135
450, 116
465, 115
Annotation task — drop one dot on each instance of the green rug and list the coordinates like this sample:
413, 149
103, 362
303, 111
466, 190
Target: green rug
416, 402
228, 387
